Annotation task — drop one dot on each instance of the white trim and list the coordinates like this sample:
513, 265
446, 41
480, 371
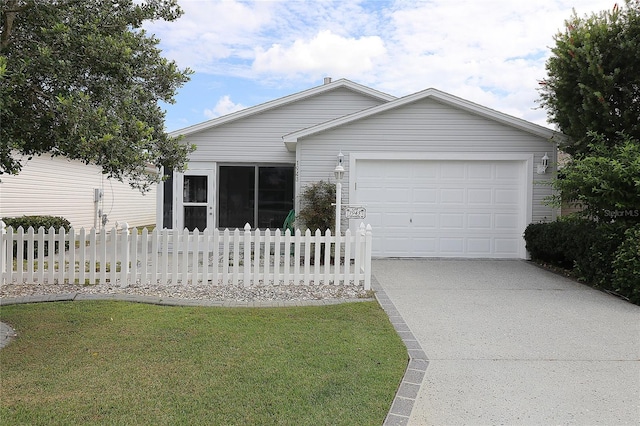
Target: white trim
525, 159
198, 168
160, 201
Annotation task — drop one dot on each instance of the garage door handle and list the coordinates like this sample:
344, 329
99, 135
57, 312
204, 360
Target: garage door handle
410, 220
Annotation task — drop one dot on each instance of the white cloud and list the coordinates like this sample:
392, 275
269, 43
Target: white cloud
326, 52
224, 106
211, 32
491, 51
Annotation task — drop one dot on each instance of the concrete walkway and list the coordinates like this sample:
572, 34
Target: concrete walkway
509, 343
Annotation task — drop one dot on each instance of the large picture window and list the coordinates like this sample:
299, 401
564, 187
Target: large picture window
259, 195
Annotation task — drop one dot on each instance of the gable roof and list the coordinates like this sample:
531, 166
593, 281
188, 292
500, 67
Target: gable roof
291, 139
341, 83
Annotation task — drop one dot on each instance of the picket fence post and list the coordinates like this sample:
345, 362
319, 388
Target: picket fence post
246, 270
4, 256
367, 258
124, 253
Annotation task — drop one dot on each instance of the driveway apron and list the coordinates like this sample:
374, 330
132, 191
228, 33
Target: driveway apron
510, 343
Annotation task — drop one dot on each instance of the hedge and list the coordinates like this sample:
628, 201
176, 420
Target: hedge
603, 255
36, 222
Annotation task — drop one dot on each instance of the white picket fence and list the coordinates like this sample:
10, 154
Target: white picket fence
125, 257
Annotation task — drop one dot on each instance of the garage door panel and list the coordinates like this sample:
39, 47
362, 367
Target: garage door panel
452, 170
424, 220
395, 246
479, 221
424, 171
424, 246
480, 170
479, 246
507, 170
507, 221
480, 196
451, 221
452, 195
506, 246
396, 195
507, 196
425, 195
443, 208
401, 219
374, 219
452, 245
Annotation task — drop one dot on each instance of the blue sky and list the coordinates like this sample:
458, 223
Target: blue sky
248, 52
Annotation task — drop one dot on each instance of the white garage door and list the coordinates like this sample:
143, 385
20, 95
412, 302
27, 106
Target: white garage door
423, 208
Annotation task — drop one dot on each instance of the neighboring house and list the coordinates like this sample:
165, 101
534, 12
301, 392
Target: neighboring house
59, 187
439, 176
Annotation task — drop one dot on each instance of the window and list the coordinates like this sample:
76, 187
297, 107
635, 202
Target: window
194, 200
239, 202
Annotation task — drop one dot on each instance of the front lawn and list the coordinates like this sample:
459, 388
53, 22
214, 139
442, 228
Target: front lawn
125, 363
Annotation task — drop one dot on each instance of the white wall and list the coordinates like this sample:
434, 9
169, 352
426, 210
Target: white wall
59, 187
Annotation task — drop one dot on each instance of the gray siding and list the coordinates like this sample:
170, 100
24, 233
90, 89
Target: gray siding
258, 138
423, 126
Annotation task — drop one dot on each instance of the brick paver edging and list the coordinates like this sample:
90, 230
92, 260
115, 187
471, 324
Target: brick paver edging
418, 362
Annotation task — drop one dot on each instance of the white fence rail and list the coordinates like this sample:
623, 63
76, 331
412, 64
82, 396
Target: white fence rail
126, 257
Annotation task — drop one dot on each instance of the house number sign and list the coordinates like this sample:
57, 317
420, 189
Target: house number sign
355, 212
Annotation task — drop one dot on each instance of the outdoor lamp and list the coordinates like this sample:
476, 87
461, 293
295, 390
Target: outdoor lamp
339, 170
544, 163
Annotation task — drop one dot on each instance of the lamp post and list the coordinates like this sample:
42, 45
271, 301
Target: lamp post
339, 174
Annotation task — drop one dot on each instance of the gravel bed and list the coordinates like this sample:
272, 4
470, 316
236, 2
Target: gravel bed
237, 293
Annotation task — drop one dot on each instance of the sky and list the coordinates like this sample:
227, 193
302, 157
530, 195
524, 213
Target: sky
244, 53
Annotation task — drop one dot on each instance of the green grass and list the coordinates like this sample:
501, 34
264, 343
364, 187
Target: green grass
124, 363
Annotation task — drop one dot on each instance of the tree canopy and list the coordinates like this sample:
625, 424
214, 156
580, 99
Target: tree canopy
593, 82
82, 79
592, 93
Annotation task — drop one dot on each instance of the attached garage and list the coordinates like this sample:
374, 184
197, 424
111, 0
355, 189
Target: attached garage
444, 207
439, 176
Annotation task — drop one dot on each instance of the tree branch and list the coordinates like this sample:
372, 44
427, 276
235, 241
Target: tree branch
10, 12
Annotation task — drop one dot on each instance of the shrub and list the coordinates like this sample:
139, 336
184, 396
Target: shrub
36, 222
626, 266
594, 265
560, 243
604, 255
317, 211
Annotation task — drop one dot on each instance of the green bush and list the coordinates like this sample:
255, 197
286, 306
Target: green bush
560, 243
626, 266
317, 211
595, 263
603, 255
36, 222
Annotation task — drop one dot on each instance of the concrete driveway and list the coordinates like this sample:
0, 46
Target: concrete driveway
509, 343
